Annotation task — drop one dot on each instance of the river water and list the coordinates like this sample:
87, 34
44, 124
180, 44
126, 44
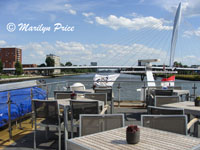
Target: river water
128, 83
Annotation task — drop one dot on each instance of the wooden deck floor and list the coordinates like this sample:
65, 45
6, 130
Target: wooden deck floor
23, 139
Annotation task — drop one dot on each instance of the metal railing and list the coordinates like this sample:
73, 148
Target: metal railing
123, 90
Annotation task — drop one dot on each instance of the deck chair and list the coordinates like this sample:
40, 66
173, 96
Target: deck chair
62, 96
82, 107
99, 97
163, 92
161, 100
94, 123
58, 91
164, 111
171, 123
48, 112
108, 91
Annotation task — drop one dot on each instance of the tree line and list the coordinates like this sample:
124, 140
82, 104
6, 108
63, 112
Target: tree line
49, 62
18, 68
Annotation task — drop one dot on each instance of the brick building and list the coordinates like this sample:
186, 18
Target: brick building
9, 56
29, 66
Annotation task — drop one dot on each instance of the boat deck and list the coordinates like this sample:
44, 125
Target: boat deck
23, 139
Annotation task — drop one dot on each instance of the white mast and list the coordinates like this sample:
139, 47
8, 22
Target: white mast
177, 21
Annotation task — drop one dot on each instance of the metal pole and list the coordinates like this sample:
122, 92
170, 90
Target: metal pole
194, 88
9, 116
47, 91
119, 94
32, 113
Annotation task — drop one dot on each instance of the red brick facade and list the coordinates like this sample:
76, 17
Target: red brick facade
9, 56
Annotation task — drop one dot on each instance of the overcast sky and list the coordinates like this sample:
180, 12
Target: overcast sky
111, 32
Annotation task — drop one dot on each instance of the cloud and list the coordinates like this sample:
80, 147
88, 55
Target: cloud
190, 33
137, 23
2, 42
189, 7
105, 54
189, 59
79, 54
69, 9
44, 6
89, 17
88, 14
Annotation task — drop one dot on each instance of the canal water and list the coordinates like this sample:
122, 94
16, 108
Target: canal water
128, 84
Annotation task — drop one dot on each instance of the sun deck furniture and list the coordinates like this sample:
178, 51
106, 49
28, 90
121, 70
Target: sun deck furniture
63, 95
170, 123
149, 139
93, 123
99, 97
83, 107
66, 105
161, 92
182, 93
58, 91
164, 111
161, 100
48, 111
107, 90
189, 109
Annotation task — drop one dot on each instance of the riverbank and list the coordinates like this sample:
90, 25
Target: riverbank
8, 79
17, 79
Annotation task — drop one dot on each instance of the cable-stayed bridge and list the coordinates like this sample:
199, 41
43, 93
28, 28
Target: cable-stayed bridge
133, 68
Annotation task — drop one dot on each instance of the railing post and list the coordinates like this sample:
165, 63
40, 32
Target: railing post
119, 94
47, 90
32, 114
194, 89
144, 92
9, 116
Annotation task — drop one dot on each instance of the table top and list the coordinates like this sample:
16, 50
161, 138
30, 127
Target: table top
188, 106
149, 139
181, 92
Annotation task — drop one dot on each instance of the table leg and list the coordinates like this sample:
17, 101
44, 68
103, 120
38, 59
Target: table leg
65, 125
46, 133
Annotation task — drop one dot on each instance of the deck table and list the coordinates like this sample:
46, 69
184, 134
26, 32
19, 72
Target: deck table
151, 139
189, 109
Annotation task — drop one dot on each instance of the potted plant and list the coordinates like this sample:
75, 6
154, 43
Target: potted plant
197, 101
73, 95
132, 134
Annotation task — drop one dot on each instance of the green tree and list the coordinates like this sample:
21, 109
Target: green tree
50, 62
1, 66
178, 64
68, 63
42, 65
18, 68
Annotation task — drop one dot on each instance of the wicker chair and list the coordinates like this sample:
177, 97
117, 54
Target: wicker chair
48, 111
93, 123
172, 123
